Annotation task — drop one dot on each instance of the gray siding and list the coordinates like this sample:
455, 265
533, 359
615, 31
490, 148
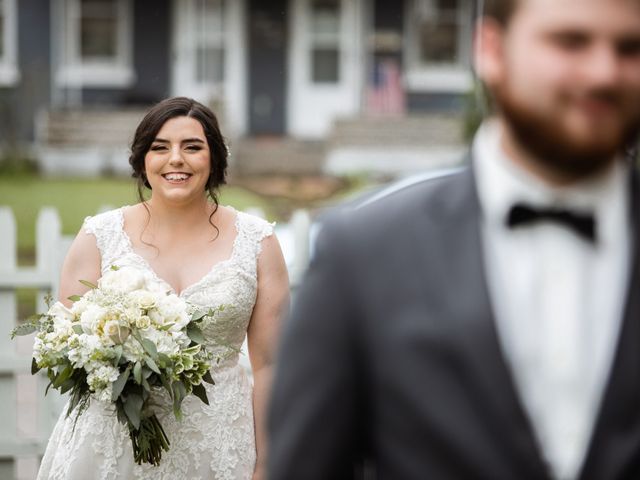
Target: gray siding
19, 103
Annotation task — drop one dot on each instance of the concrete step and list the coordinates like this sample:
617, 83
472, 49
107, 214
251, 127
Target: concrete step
89, 127
273, 155
433, 130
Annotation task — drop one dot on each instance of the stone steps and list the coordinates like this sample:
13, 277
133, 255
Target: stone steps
258, 156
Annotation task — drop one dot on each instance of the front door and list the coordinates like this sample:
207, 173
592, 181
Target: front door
268, 62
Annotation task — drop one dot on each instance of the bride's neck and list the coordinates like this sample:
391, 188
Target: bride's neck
174, 215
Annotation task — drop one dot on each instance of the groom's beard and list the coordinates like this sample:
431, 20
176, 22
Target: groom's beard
555, 147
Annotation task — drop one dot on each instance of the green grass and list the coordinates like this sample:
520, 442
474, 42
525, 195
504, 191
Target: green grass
77, 198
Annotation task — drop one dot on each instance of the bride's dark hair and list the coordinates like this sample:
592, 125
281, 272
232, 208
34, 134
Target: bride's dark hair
153, 122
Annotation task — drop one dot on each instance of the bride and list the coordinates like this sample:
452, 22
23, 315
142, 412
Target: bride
210, 255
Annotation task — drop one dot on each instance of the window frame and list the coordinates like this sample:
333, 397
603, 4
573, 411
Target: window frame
438, 77
9, 71
74, 71
324, 41
212, 39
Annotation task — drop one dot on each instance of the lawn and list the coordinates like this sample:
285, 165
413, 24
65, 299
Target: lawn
77, 198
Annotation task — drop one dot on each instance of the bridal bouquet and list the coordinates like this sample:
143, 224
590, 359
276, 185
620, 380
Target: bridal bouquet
124, 341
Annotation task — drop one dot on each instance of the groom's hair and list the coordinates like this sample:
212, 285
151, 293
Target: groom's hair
500, 10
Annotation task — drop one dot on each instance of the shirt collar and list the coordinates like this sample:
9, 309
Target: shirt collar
501, 183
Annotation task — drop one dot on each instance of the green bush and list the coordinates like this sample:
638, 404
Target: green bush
16, 162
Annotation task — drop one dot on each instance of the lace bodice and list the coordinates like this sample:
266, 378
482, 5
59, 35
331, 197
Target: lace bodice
231, 283
215, 441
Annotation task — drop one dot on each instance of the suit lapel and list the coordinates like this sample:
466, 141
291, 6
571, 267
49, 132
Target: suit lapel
456, 222
614, 451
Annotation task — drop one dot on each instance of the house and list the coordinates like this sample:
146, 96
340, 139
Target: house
299, 84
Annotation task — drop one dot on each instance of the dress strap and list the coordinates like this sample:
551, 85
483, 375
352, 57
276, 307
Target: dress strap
251, 231
107, 228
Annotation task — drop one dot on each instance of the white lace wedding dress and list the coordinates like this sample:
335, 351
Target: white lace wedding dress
211, 442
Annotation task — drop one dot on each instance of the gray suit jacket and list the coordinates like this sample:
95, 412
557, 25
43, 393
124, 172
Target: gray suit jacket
391, 356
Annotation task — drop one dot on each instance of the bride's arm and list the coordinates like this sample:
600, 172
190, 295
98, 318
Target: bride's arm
81, 263
271, 304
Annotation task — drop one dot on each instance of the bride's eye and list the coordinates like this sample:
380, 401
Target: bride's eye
193, 148
157, 148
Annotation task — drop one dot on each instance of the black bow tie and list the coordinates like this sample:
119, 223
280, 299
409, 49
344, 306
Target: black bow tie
582, 223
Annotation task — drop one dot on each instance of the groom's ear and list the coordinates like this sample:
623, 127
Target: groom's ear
489, 51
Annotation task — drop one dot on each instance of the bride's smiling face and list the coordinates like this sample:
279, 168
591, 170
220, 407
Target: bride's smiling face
178, 162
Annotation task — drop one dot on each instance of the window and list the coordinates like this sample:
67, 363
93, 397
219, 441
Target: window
98, 29
439, 44
209, 38
95, 48
9, 74
2, 29
325, 41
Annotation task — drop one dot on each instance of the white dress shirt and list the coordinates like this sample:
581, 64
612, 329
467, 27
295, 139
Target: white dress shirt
557, 297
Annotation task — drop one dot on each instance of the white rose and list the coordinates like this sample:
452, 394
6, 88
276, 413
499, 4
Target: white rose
143, 322
91, 318
123, 280
80, 306
142, 299
59, 312
173, 309
116, 332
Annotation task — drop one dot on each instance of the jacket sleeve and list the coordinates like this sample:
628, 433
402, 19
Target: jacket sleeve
313, 420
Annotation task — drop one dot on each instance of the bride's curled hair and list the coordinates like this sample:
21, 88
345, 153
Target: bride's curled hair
153, 122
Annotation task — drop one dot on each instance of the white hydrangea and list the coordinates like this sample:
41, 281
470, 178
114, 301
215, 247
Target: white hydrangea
101, 379
87, 346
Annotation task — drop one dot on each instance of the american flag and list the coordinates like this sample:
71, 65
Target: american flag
385, 95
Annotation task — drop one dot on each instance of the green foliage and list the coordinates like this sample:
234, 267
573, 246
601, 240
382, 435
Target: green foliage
77, 198
14, 162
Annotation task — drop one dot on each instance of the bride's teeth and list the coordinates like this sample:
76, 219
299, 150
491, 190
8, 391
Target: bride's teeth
176, 177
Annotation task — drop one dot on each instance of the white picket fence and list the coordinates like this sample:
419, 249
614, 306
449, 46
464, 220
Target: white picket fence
28, 415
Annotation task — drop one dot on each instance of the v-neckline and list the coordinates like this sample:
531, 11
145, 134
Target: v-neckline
215, 266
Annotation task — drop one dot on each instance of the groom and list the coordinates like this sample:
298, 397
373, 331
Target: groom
486, 324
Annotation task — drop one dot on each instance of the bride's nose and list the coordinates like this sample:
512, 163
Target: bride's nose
176, 157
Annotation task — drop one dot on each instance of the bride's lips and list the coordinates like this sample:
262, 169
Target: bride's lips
176, 178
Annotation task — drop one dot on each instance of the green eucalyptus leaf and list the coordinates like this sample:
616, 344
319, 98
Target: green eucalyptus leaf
78, 329
149, 347
146, 385
133, 409
164, 360
24, 329
117, 350
88, 284
74, 298
119, 384
63, 376
152, 365
67, 385
137, 373
195, 334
